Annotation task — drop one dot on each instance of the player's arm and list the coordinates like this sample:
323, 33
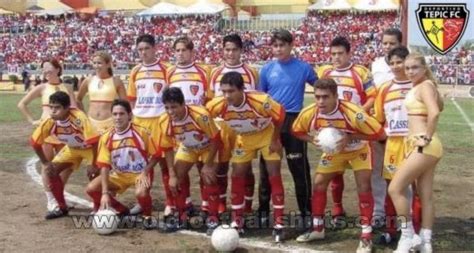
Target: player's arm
38, 137
370, 91
379, 112
104, 179
277, 112
301, 126
26, 100
120, 88
209, 127
153, 157
311, 77
366, 126
262, 81
83, 89
104, 161
131, 91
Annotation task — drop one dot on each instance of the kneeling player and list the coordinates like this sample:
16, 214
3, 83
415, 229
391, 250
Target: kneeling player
72, 128
126, 155
192, 129
257, 120
357, 126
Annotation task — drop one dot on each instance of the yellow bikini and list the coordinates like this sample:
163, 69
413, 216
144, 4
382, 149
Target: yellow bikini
102, 90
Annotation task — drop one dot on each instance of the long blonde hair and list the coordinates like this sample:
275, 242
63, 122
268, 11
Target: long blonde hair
107, 58
429, 74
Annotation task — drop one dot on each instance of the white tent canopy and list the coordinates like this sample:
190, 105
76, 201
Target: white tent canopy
204, 7
375, 5
162, 8
330, 5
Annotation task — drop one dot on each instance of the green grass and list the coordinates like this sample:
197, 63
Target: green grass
9, 111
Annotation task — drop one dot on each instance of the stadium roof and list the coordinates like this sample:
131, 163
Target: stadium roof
375, 5
330, 5
162, 8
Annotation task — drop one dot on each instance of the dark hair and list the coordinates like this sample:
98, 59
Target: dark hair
233, 79
282, 35
400, 51
60, 97
147, 38
123, 103
326, 84
188, 43
341, 41
233, 38
394, 32
55, 64
173, 94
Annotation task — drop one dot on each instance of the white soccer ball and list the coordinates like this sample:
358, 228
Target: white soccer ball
225, 238
328, 137
105, 222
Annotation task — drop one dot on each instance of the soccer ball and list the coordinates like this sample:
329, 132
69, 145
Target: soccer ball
225, 238
105, 222
328, 137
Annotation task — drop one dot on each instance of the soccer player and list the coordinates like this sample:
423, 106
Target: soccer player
72, 128
103, 88
196, 136
52, 72
232, 45
390, 111
382, 73
357, 126
145, 91
126, 156
284, 79
423, 151
257, 120
354, 85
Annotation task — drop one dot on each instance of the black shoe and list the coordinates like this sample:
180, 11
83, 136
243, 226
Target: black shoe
57, 213
264, 219
149, 223
278, 234
211, 226
339, 221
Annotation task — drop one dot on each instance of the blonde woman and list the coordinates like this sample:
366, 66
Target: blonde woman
103, 88
423, 152
51, 71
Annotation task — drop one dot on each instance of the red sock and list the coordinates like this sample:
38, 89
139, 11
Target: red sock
180, 200
119, 207
416, 213
165, 177
366, 208
337, 188
146, 204
212, 191
318, 202
95, 196
222, 184
278, 198
186, 187
57, 188
204, 196
249, 188
237, 200
390, 216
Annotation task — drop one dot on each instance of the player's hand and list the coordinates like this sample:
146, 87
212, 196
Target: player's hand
275, 146
143, 180
315, 142
105, 201
420, 142
342, 143
173, 183
36, 123
208, 175
92, 172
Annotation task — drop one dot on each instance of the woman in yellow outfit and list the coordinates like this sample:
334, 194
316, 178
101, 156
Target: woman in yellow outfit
103, 88
423, 152
52, 71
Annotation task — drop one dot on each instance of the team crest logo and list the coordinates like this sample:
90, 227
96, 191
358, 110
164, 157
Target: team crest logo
198, 137
78, 122
131, 155
442, 25
194, 89
360, 116
157, 87
254, 123
347, 95
363, 157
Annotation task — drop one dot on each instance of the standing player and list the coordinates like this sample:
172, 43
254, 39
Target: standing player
257, 120
126, 156
357, 127
103, 88
382, 73
145, 91
423, 151
232, 45
390, 111
354, 84
196, 136
72, 128
52, 72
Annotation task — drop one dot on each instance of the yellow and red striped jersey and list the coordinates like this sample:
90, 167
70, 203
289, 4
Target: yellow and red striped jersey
257, 112
354, 83
347, 117
249, 74
193, 80
195, 131
145, 87
389, 109
127, 151
76, 131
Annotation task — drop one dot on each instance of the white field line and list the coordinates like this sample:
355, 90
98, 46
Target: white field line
464, 115
33, 173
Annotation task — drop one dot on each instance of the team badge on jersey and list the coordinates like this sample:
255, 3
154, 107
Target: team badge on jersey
347, 95
78, 122
443, 24
157, 87
194, 89
198, 137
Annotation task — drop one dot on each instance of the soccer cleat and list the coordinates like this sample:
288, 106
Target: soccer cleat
365, 246
385, 239
136, 210
407, 244
278, 234
170, 224
57, 213
211, 226
338, 221
311, 236
425, 247
236, 227
149, 223
169, 210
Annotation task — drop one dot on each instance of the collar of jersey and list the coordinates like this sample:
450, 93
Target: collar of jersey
335, 108
346, 68
151, 64
124, 131
401, 82
235, 66
185, 66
